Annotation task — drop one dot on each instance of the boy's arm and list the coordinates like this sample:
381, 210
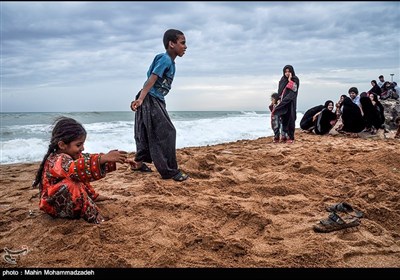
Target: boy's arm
143, 93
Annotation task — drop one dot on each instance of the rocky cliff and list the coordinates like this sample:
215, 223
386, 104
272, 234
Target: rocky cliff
392, 112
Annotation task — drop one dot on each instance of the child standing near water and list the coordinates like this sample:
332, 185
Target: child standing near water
155, 134
275, 120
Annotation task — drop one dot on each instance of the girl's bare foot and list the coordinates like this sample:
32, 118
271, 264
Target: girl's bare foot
99, 219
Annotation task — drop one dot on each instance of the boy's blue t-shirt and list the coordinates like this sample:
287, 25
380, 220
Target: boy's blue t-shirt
164, 68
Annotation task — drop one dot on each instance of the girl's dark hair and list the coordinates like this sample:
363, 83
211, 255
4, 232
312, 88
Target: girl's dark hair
275, 95
66, 130
171, 35
375, 96
328, 102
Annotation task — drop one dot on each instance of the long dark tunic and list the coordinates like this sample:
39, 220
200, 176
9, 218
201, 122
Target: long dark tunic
286, 109
351, 116
307, 120
325, 122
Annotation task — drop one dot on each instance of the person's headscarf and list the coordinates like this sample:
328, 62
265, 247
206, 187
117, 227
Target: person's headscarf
284, 80
327, 103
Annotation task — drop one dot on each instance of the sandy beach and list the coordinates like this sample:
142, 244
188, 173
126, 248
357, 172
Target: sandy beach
249, 203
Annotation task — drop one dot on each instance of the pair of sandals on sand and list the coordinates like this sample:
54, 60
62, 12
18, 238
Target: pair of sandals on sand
342, 215
144, 168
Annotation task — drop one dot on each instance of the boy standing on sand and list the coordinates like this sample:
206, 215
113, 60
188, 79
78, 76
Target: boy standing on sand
155, 135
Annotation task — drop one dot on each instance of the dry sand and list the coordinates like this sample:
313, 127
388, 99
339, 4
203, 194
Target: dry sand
247, 204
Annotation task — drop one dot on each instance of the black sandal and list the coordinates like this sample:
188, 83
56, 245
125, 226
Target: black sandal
335, 222
345, 208
180, 176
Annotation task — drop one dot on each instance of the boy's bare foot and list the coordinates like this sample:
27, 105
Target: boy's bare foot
140, 166
135, 166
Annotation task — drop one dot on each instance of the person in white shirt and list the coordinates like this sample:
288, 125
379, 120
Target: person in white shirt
353, 93
381, 81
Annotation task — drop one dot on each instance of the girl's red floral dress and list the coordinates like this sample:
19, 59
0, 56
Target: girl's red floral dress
66, 192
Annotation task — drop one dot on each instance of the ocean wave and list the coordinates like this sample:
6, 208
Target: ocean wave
114, 130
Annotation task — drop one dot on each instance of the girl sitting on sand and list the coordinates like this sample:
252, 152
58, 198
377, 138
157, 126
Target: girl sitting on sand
65, 172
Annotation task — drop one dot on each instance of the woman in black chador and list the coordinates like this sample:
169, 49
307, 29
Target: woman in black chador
372, 116
352, 118
286, 109
326, 119
307, 122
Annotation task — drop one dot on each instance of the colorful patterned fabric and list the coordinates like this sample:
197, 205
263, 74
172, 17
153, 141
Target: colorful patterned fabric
66, 191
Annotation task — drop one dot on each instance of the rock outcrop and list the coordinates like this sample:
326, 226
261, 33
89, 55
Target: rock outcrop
392, 112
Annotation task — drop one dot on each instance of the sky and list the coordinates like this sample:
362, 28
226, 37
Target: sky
94, 56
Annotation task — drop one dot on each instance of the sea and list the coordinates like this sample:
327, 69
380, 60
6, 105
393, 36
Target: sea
25, 136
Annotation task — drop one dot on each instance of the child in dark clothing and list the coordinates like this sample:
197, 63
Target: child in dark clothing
275, 120
155, 135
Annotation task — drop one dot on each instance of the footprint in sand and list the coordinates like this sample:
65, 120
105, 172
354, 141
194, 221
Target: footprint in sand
377, 259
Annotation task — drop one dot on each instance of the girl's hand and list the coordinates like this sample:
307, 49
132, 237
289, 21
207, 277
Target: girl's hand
114, 156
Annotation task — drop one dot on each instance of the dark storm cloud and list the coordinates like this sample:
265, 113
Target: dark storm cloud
65, 44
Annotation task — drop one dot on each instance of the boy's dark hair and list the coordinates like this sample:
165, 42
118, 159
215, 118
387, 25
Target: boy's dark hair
381, 76
353, 89
171, 35
275, 95
66, 130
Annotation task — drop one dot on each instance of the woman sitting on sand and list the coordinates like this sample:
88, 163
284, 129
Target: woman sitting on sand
379, 107
326, 119
372, 117
319, 119
307, 122
351, 117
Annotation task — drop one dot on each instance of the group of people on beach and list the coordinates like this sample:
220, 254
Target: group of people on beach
65, 173
354, 113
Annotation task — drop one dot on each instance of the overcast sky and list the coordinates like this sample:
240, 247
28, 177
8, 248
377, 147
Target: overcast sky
93, 56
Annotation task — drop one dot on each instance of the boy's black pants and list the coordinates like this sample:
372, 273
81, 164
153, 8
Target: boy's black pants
155, 137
